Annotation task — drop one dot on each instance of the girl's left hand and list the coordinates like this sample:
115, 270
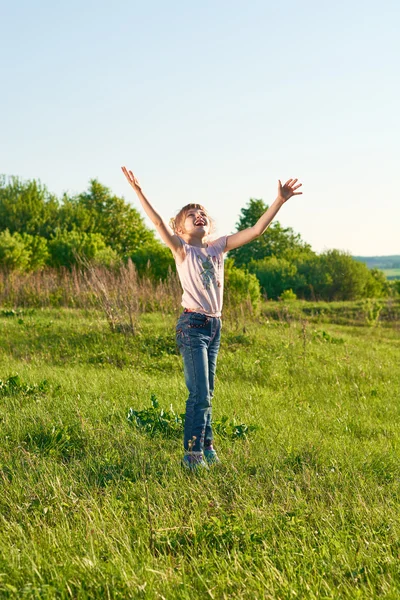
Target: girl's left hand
287, 190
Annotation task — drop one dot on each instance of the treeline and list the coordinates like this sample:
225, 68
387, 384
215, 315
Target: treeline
287, 267
39, 230
380, 262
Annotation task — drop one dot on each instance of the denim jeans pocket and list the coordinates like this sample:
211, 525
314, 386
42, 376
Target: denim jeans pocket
198, 320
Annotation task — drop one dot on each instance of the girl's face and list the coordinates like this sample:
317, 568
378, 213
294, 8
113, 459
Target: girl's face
197, 222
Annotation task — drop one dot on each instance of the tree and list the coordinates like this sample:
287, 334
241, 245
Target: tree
349, 277
121, 225
276, 275
335, 275
276, 241
27, 207
316, 280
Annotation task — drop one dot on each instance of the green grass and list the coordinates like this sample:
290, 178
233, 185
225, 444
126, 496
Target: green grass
392, 273
306, 507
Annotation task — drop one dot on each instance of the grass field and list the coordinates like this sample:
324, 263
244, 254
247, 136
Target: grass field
93, 507
392, 273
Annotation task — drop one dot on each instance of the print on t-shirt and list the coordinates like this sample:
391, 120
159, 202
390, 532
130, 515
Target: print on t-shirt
211, 271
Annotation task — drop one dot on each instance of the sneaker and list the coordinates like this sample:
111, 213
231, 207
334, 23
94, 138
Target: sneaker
211, 456
194, 461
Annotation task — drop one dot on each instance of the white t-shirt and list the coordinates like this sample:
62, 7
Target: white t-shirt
202, 277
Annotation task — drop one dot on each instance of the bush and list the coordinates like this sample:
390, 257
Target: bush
107, 257
14, 254
335, 275
276, 275
153, 260
288, 296
394, 287
39, 251
68, 248
241, 287
350, 279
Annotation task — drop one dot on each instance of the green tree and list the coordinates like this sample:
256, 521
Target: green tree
121, 225
73, 215
350, 278
316, 281
276, 241
335, 275
27, 207
276, 275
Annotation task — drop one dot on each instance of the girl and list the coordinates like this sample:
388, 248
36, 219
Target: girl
200, 266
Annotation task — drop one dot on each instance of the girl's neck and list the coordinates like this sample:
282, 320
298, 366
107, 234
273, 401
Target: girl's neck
192, 240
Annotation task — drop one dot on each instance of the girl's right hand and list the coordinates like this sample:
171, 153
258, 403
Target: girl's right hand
131, 179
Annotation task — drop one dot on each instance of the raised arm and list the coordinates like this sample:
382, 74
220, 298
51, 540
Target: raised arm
251, 233
165, 232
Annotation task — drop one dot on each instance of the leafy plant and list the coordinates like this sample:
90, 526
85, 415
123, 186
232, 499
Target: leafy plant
372, 312
62, 441
241, 287
323, 336
13, 386
232, 430
288, 295
155, 420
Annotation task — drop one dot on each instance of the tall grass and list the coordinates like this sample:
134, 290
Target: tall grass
119, 292
122, 295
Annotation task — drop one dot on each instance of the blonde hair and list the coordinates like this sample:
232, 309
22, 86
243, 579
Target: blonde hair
177, 222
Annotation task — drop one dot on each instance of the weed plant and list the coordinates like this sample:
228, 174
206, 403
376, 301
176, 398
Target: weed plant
93, 506
155, 420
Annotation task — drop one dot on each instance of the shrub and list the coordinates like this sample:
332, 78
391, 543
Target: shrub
68, 248
276, 275
335, 275
288, 295
14, 254
241, 287
153, 260
350, 279
38, 248
155, 420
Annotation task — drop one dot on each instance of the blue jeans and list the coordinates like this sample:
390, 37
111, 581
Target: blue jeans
198, 338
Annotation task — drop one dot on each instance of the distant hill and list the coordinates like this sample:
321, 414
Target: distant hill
380, 262
390, 265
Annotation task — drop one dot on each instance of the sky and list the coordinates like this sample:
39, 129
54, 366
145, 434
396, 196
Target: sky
212, 102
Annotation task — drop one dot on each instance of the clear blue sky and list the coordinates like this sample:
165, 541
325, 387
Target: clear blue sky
212, 102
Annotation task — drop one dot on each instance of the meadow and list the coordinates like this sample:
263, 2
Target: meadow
305, 503
392, 273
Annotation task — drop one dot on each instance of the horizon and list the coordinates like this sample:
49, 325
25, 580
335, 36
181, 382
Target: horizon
150, 225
